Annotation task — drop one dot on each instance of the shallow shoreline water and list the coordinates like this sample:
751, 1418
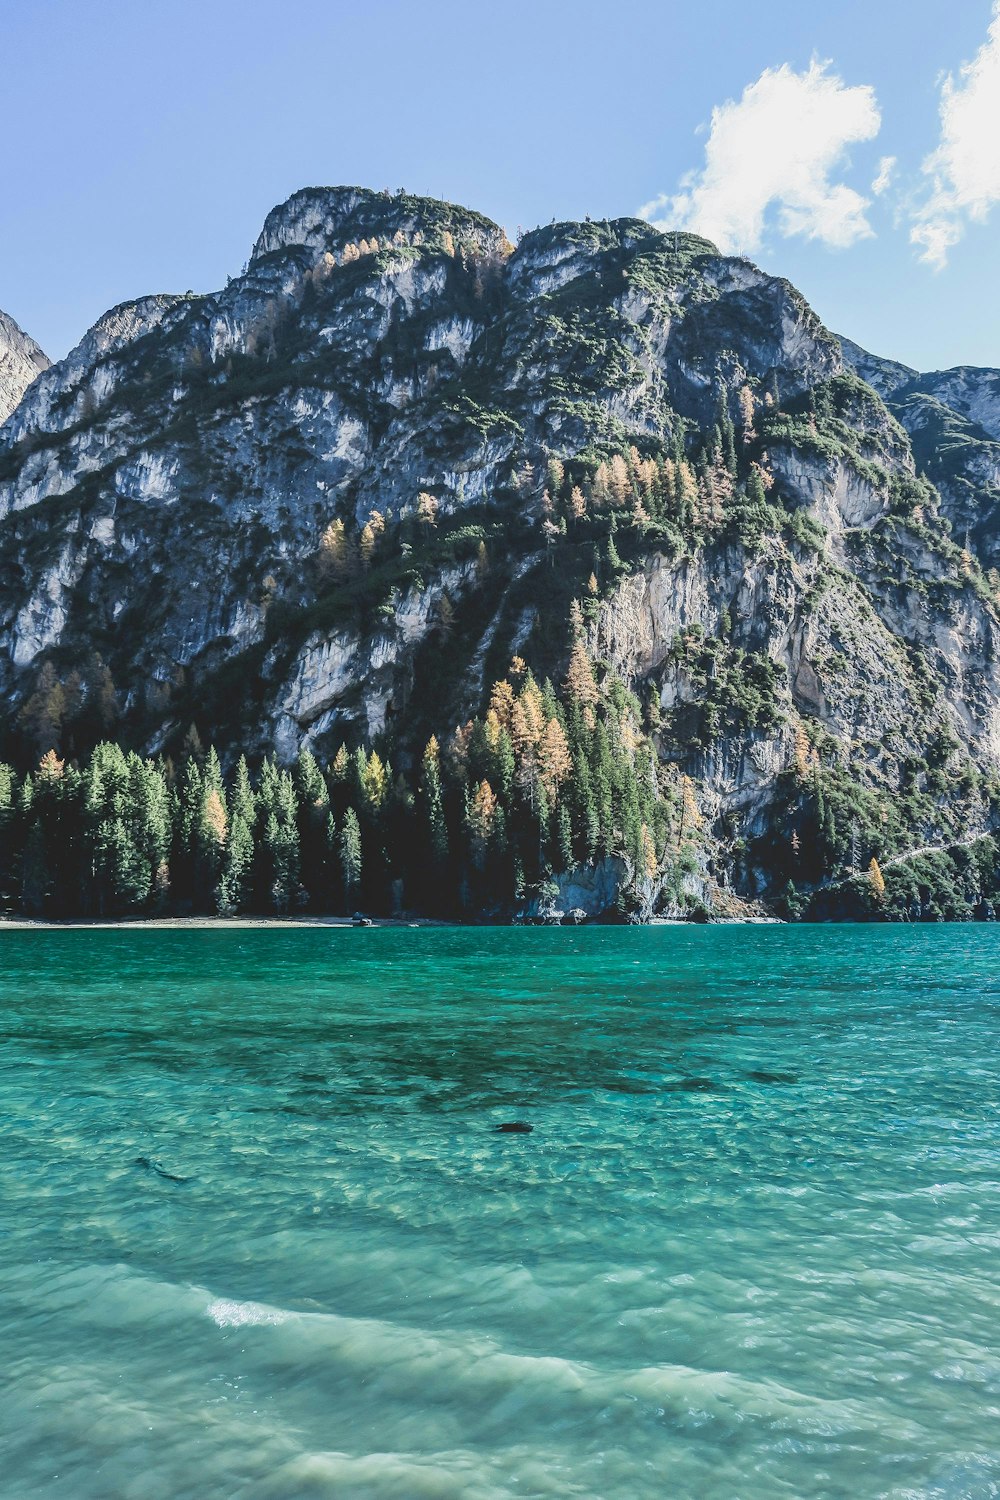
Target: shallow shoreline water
207, 924
263, 1241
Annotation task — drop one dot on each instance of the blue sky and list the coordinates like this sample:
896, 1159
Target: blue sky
144, 143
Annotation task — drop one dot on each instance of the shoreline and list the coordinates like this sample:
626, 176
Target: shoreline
166, 924
247, 924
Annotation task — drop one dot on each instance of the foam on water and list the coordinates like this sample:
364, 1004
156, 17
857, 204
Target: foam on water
226, 1313
749, 1248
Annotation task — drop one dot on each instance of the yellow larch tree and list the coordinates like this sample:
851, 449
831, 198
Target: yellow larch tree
554, 760
579, 683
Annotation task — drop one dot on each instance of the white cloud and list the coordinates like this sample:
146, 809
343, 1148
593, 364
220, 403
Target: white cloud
883, 178
964, 171
778, 145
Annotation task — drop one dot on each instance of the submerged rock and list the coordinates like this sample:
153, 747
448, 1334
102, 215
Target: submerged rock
152, 1166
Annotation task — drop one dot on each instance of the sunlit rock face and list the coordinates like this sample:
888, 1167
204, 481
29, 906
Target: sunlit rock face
20, 361
317, 504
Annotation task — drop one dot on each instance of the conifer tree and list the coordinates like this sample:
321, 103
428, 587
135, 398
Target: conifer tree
334, 555
619, 486
279, 839
563, 852
554, 762
555, 476
500, 759
481, 819
746, 404
350, 857
579, 684
209, 827
314, 808
727, 437
234, 889
432, 804
8, 825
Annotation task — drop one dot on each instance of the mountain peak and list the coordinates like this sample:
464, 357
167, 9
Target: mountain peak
20, 361
319, 219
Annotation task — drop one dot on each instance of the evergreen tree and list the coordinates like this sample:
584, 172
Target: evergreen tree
314, 809
235, 886
277, 843
350, 857
432, 805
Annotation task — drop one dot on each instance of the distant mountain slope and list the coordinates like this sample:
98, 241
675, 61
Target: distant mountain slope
953, 421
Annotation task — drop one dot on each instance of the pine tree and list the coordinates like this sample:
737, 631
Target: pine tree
746, 404
281, 842
600, 489
8, 822
727, 438
149, 800
619, 487
375, 781
432, 803
500, 759
234, 890
555, 476
314, 808
349, 849
334, 554
563, 851
687, 494
209, 831
480, 819
756, 493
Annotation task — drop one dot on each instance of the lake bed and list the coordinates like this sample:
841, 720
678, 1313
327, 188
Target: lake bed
262, 1237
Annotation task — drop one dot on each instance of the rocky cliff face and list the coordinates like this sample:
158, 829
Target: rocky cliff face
20, 361
332, 499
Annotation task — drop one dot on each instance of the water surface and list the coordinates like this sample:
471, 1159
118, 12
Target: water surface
749, 1250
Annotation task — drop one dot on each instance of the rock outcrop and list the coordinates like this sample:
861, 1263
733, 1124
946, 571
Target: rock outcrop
21, 361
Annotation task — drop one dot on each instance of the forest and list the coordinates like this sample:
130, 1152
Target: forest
543, 780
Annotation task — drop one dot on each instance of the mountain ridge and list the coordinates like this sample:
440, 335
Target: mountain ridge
332, 500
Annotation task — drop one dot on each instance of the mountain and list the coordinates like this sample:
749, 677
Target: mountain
20, 361
332, 502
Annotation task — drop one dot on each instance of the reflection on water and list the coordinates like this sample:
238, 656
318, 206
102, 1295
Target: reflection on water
748, 1249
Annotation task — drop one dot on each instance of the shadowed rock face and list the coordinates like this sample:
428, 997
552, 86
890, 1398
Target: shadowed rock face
20, 361
167, 494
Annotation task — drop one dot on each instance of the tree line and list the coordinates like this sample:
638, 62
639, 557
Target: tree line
547, 777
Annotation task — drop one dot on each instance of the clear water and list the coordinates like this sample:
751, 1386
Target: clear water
749, 1250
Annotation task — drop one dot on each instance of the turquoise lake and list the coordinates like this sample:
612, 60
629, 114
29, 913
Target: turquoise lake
750, 1249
